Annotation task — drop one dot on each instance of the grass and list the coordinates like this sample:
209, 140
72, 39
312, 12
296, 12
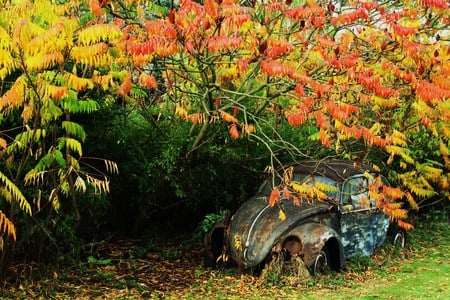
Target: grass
421, 271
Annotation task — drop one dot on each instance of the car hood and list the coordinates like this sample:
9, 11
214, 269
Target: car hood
255, 227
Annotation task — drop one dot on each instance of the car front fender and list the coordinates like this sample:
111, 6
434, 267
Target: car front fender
314, 237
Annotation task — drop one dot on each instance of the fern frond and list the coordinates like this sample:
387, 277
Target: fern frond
16, 194
74, 129
6, 226
59, 158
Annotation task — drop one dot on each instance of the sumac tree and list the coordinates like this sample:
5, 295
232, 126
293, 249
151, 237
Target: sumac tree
54, 62
366, 75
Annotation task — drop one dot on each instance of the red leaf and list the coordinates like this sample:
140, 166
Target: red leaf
296, 119
286, 193
274, 197
171, 16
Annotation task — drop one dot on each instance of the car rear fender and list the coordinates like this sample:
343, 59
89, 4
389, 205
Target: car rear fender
314, 237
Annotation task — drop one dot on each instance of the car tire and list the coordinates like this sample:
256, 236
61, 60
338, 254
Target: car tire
322, 262
397, 236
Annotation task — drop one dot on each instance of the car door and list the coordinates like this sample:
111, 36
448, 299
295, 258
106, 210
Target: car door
363, 227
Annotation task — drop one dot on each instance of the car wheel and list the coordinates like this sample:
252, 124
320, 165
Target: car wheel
397, 236
322, 262
399, 239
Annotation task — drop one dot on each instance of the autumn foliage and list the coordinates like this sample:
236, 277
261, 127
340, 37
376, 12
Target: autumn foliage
359, 71
366, 75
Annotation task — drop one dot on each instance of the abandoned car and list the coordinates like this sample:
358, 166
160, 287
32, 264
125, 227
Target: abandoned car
324, 233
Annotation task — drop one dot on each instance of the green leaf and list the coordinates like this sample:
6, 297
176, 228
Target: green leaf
74, 129
60, 158
74, 145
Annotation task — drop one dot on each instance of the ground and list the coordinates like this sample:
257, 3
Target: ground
139, 269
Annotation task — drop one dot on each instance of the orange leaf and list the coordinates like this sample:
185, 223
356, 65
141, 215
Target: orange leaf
274, 197
147, 80
228, 118
393, 193
211, 8
234, 131
3, 143
95, 7
125, 87
405, 225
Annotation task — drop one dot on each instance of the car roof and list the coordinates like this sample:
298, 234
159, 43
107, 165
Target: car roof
335, 169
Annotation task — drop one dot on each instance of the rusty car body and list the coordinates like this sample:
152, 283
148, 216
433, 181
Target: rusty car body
323, 233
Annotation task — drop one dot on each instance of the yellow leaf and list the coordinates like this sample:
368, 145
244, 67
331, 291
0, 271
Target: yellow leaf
99, 32
325, 187
411, 201
237, 242
282, 215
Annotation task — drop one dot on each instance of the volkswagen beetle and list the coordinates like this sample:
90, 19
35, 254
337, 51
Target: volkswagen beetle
324, 233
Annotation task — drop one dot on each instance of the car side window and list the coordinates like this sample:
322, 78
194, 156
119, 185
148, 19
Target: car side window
355, 193
332, 190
